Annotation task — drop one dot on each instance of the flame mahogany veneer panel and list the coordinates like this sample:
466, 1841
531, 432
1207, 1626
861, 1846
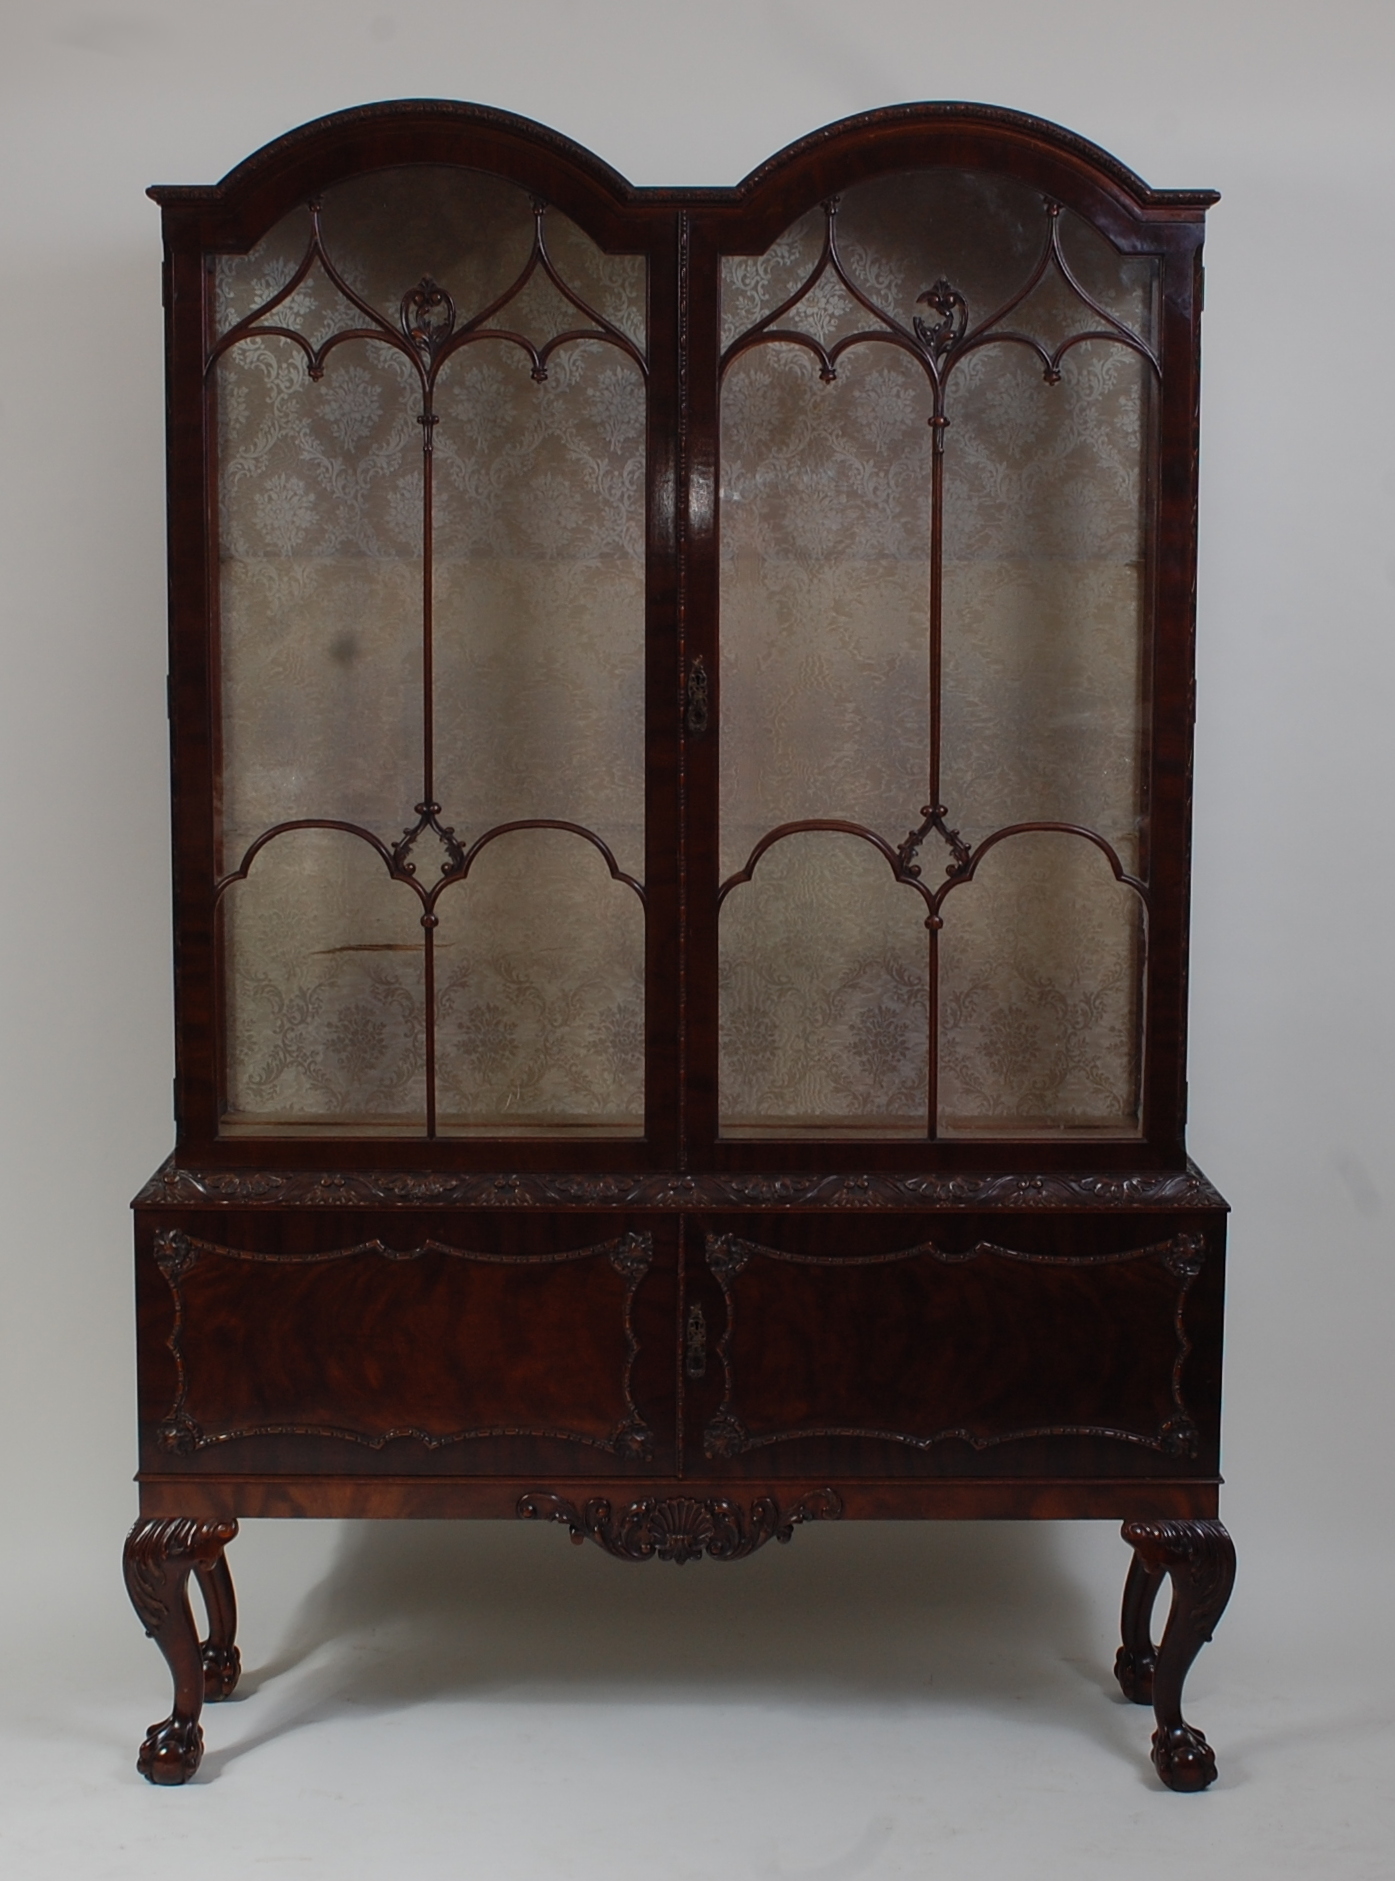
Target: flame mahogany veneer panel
423, 1343
965, 1348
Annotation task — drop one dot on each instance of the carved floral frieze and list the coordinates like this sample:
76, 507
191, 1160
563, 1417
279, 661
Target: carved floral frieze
1150, 1189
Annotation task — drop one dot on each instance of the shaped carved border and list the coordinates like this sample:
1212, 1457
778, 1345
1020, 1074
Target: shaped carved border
176, 1253
175, 1186
681, 1528
726, 1436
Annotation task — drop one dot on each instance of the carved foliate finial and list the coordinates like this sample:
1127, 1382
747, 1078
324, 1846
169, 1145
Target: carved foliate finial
428, 316
428, 818
960, 854
950, 328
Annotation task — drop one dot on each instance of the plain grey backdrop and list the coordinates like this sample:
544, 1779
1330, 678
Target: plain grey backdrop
894, 1701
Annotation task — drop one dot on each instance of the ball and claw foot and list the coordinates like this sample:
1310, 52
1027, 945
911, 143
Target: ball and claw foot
1134, 1672
222, 1667
1183, 1758
172, 1751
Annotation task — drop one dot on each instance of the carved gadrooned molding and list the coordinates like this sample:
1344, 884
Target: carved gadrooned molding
1152, 1189
681, 1528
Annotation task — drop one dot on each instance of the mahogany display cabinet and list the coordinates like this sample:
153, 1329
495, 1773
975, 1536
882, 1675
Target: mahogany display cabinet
681, 709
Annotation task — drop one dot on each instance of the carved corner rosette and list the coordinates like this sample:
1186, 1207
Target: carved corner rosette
632, 1256
633, 1438
175, 1253
1179, 1436
681, 1528
724, 1435
1185, 1256
180, 1434
727, 1254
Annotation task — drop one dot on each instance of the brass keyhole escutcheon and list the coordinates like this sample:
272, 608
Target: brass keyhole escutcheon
696, 1343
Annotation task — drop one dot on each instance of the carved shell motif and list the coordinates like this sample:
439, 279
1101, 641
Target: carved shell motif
681, 1528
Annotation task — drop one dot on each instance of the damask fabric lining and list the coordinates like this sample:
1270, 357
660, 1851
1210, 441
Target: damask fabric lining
538, 556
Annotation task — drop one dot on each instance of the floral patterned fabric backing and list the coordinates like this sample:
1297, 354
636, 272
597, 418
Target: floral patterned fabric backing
825, 679
538, 579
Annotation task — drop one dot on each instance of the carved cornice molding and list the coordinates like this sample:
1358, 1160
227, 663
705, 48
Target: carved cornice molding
681, 1528
1150, 1189
452, 114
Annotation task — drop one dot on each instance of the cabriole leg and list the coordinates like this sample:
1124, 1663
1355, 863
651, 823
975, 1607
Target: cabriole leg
1137, 1658
1199, 1558
222, 1663
160, 1555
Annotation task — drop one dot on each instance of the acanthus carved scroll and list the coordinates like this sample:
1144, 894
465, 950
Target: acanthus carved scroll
155, 1548
681, 1528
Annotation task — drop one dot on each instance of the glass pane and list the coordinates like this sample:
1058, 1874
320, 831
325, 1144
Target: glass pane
320, 587
540, 993
825, 588
823, 986
324, 1009
539, 525
532, 604
1040, 1013
1044, 603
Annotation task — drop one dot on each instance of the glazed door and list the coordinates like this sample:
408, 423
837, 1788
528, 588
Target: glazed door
432, 464
937, 433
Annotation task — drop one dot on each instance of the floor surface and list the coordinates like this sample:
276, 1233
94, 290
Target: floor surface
885, 1700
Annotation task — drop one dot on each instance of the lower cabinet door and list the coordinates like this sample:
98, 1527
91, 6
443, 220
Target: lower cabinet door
451, 1344
952, 1346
